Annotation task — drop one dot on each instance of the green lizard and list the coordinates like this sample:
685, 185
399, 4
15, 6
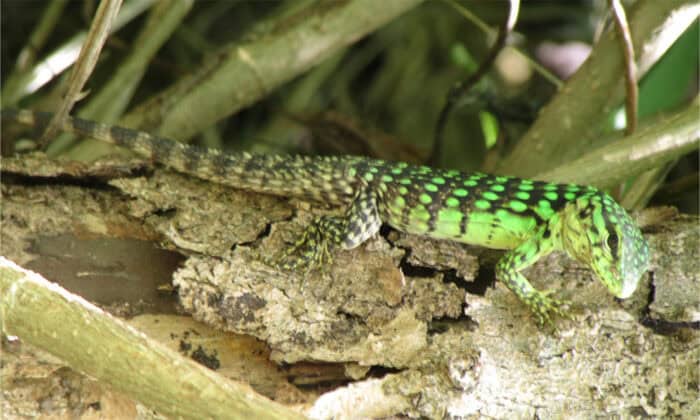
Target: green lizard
529, 218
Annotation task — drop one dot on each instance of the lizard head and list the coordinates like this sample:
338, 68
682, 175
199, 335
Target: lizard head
599, 232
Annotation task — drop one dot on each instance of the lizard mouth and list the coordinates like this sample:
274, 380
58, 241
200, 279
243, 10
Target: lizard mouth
627, 282
629, 285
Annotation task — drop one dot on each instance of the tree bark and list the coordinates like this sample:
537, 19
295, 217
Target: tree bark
458, 343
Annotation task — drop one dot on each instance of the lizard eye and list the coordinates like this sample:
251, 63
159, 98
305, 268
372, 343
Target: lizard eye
613, 242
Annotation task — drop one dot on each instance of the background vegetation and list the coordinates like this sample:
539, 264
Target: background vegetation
379, 96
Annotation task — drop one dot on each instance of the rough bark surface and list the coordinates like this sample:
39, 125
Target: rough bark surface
427, 309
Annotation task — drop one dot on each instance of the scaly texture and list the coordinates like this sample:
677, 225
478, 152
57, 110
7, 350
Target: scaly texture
529, 218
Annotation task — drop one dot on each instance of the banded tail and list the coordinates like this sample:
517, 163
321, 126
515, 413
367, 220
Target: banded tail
322, 179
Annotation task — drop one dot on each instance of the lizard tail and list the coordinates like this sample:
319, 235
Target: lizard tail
322, 179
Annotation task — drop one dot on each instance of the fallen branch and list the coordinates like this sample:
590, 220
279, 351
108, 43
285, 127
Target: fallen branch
94, 342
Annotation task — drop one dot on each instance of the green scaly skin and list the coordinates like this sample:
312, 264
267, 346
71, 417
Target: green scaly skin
529, 218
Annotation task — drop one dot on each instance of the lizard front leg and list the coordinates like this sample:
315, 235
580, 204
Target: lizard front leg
315, 247
509, 267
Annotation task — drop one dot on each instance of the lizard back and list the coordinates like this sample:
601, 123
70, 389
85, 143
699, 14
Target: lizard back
476, 208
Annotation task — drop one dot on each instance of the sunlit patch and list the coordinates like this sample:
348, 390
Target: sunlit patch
518, 206
522, 195
52, 66
482, 204
419, 213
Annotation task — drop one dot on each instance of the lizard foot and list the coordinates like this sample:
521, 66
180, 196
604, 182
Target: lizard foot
544, 306
310, 252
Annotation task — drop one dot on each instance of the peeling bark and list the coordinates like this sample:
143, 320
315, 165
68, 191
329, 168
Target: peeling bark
429, 311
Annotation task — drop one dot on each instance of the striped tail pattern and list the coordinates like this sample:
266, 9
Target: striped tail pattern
323, 179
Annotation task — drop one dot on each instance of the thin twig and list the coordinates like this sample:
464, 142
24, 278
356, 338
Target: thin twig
41, 33
99, 30
492, 33
630, 65
54, 63
110, 100
27, 56
459, 89
573, 121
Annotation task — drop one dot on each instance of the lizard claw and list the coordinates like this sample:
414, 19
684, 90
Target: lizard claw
544, 306
308, 253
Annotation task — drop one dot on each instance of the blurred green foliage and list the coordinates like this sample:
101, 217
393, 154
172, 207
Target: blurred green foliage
673, 80
394, 81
